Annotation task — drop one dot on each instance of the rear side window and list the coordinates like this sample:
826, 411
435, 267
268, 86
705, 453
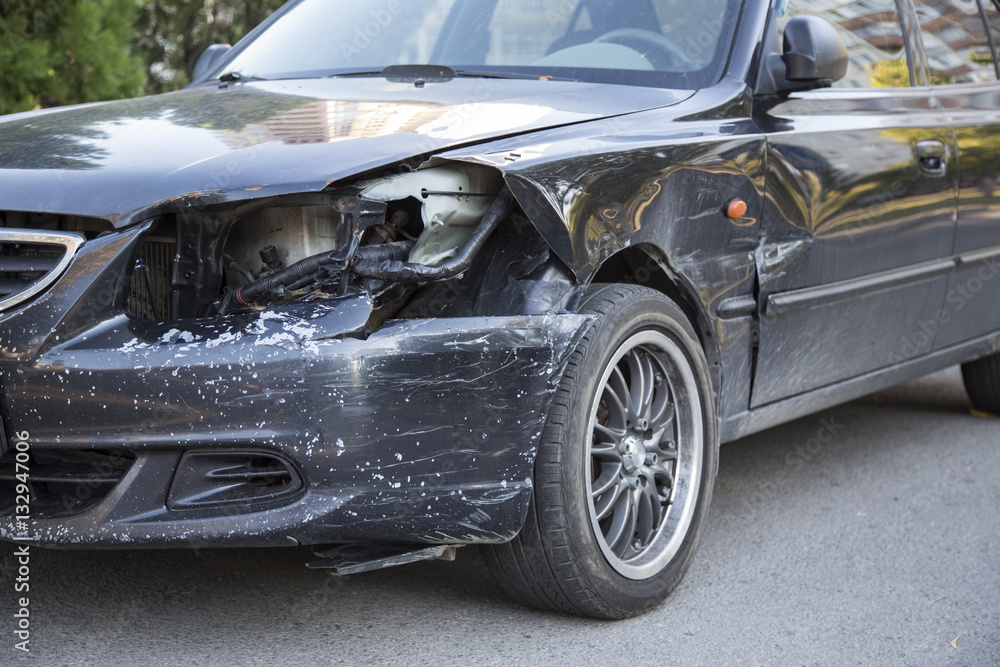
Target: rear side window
873, 35
956, 42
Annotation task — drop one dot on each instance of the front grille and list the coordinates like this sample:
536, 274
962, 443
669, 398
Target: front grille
151, 297
65, 482
31, 260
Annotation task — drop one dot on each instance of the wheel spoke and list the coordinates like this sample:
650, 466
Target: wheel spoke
662, 411
641, 384
606, 503
621, 519
609, 476
618, 412
623, 543
646, 522
606, 451
650, 394
617, 385
608, 435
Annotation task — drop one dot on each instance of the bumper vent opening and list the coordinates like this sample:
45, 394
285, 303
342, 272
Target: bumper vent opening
63, 483
30, 261
209, 478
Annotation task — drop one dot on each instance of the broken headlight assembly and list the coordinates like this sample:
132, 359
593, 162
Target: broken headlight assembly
384, 236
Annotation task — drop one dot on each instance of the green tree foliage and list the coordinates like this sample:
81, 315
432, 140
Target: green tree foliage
55, 52
25, 63
172, 34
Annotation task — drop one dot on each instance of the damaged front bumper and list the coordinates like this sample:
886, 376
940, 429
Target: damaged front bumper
285, 425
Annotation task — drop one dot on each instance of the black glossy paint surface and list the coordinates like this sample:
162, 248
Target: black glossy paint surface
862, 260
248, 140
970, 303
398, 437
657, 181
848, 198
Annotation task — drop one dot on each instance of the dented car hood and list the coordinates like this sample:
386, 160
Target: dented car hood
123, 160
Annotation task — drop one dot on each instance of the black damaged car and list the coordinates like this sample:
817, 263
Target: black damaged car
391, 278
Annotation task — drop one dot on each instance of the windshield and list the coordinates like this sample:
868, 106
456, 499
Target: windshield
669, 43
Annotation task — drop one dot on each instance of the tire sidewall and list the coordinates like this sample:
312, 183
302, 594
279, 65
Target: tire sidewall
646, 310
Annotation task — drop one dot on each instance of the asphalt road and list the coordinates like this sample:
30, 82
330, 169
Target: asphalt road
867, 534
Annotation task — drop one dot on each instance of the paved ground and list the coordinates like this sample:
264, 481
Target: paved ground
880, 545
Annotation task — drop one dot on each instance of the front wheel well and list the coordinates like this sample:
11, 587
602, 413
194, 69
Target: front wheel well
646, 265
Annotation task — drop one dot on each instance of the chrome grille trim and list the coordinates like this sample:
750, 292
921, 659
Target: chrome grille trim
68, 241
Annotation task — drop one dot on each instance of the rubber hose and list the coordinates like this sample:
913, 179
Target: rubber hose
249, 293
395, 270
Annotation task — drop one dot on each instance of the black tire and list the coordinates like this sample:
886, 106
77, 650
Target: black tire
982, 381
566, 557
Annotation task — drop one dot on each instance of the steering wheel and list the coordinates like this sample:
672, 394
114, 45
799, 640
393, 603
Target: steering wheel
661, 52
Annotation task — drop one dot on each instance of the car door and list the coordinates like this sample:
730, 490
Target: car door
962, 67
859, 218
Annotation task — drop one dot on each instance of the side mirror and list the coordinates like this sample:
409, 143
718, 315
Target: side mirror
813, 52
211, 56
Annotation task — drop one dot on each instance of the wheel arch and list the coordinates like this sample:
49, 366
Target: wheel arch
646, 264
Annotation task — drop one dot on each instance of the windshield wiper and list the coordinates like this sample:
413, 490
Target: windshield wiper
362, 73
230, 77
440, 74
406, 73
477, 74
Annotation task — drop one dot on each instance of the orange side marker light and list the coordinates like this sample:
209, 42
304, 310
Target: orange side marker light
736, 209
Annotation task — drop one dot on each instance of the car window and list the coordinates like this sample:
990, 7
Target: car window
670, 43
514, 30
874, 37
993, 18
528, 31
956, 41
697, 26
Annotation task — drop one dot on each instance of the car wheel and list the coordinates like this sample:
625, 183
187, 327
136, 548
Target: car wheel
625, 466
982, 381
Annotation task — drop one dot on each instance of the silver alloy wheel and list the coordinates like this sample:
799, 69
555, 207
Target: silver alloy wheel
645, 456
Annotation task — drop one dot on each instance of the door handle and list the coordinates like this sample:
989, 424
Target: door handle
932, 155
